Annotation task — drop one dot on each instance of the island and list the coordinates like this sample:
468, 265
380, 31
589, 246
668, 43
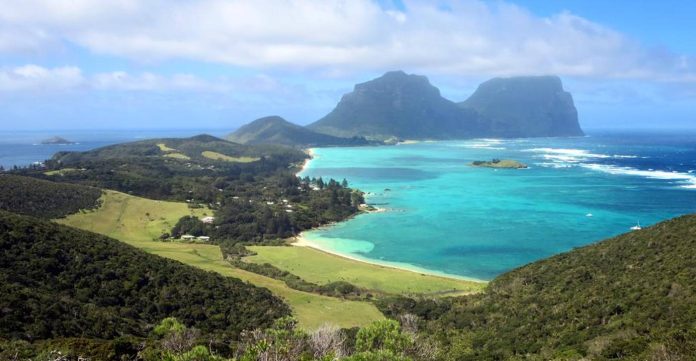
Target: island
57, 141
400, 106
498, 163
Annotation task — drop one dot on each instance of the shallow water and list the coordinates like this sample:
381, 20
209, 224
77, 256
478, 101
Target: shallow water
446, 216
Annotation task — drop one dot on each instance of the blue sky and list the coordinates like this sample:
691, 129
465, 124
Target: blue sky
179, 64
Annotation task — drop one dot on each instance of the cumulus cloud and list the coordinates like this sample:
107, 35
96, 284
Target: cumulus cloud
469, 37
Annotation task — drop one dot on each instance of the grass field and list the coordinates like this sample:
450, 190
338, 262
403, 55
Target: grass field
163, 147
219, 156
138, 222
63, 171
322, 268
172, 153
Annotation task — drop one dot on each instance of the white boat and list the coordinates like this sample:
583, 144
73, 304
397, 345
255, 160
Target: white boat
637, 227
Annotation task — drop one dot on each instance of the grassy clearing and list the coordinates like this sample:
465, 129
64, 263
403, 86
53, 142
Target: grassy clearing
322, 268
63, 171
172, 153
132, 219
219, 156
163, 147
138, 222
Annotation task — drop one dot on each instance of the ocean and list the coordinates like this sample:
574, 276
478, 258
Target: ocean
445, 216
22, 148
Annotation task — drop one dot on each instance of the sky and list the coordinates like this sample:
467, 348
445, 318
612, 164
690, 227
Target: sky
217, 64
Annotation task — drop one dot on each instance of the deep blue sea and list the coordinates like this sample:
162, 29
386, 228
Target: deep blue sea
22, 148
446, 216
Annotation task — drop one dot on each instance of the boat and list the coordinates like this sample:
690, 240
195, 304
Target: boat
637, 227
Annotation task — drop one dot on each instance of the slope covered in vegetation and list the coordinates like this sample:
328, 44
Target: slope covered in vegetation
276, 130
61, 282
44, 199
171, 168
629, 297
139, 222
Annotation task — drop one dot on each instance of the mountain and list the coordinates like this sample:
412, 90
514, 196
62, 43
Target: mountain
530, 106
60, 282
630, 297
406, 106
276, 130
399, 105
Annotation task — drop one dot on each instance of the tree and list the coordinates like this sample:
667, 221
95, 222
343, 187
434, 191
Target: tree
344, 183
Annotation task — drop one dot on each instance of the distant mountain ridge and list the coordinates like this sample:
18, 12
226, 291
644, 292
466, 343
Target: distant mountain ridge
276, 130
407, 106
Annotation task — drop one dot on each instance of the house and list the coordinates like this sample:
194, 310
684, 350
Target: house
204, 238
187, 237
208, 220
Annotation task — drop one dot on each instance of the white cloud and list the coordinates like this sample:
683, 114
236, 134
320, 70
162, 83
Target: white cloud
452, 37
34, 77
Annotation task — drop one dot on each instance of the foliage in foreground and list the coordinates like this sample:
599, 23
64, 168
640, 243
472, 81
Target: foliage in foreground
171, 340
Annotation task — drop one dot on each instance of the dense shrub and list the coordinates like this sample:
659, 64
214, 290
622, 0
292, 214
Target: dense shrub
44, 199
61, 282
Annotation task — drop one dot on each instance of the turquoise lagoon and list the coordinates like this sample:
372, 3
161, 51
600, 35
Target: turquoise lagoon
445, 216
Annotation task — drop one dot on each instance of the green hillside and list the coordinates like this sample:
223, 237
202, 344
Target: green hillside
44, 199
630, 297
276, 130
139, 222
58, 282
172, 168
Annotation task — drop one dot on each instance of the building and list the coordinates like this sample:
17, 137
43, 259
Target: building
187, 237
208, 220
204, 238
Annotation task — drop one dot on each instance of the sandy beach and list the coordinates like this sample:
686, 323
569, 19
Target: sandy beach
302, 241
311, 153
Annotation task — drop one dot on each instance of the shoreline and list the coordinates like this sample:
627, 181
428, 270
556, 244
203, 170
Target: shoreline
311, 153
302, 241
